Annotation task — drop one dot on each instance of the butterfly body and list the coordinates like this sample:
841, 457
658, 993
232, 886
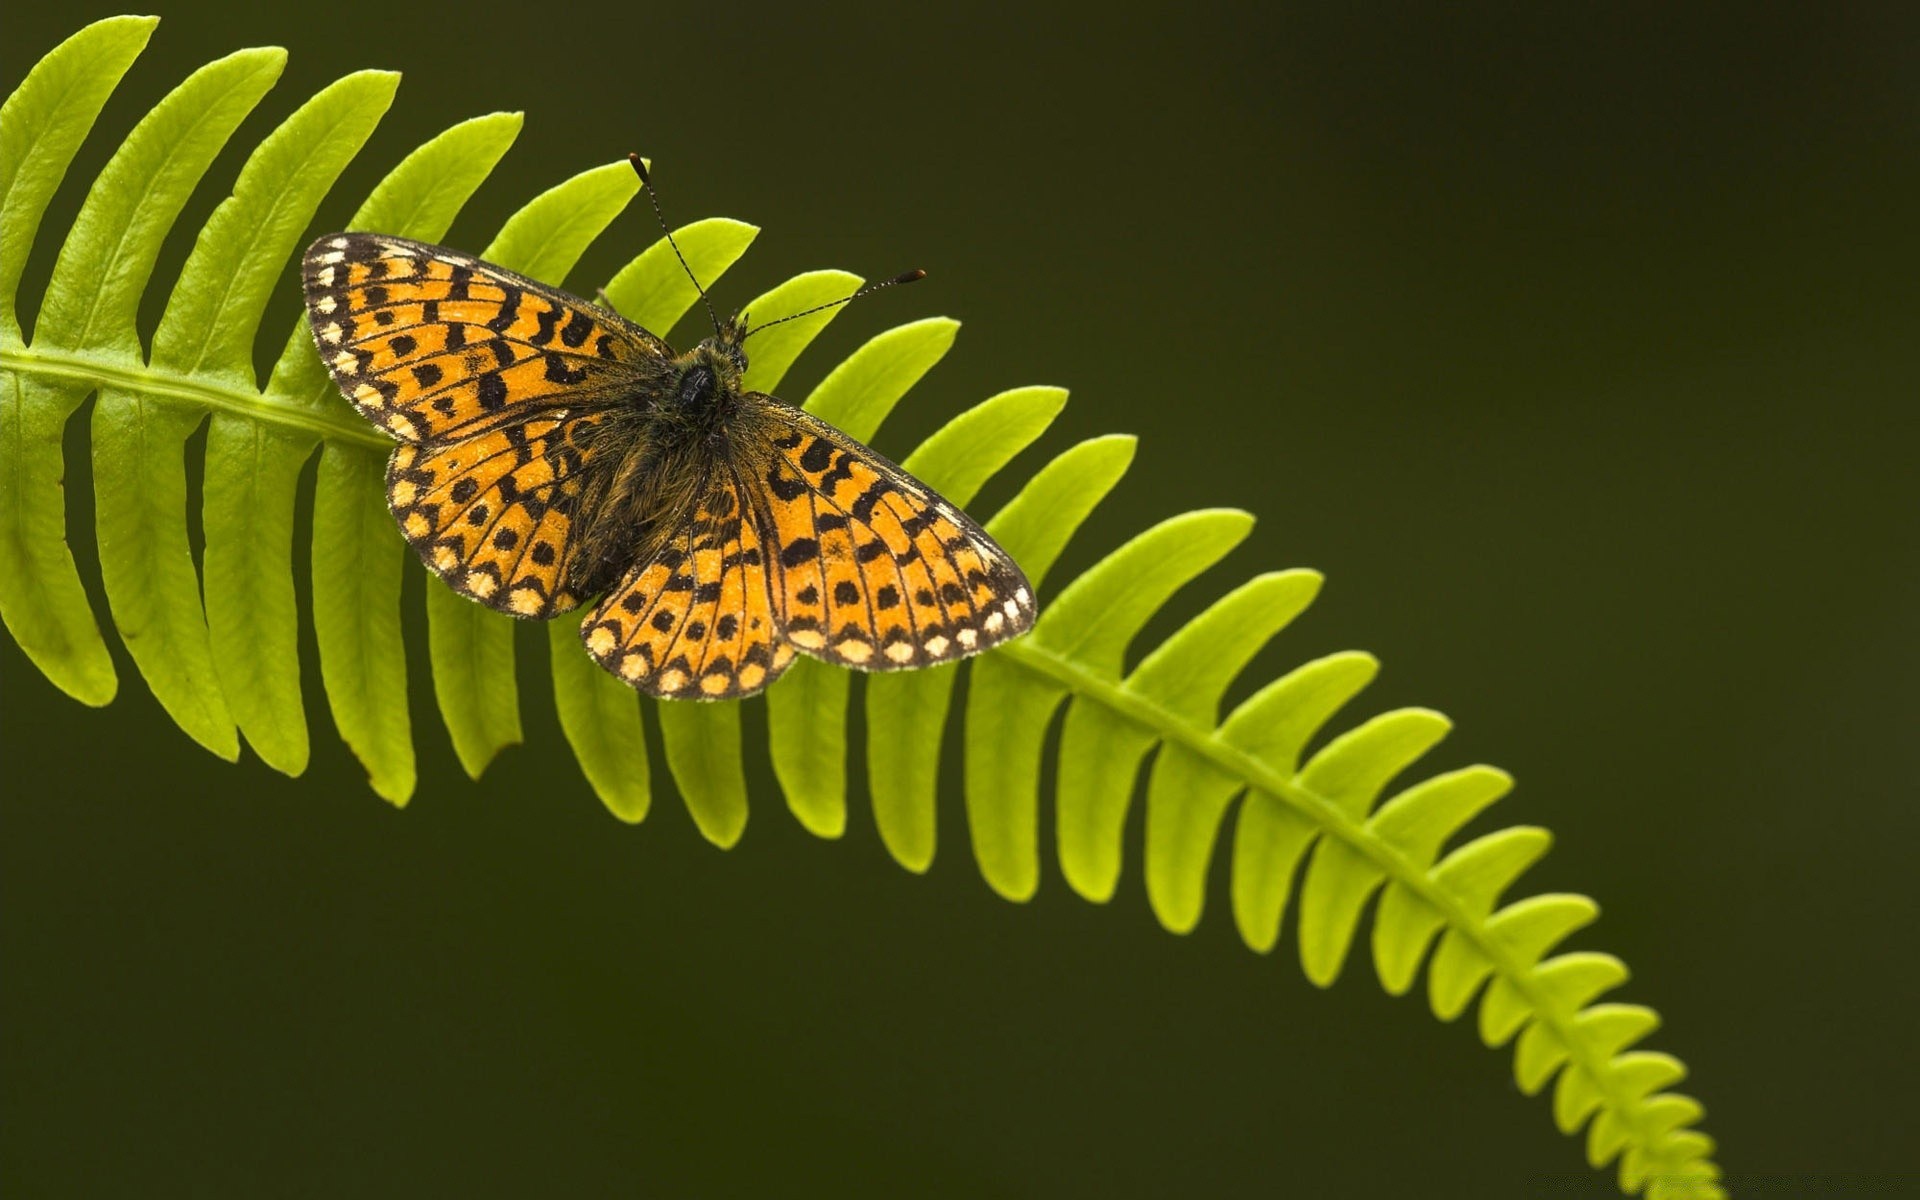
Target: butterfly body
551, 452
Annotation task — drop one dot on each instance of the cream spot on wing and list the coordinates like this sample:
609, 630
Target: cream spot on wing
1022, 596
967, 638
445, 558
403, 493
633, 664
324, 277
937, 645
346, 360
332, 256
714, 684
994, 621
525, 600
900, 652
402, 425
331, 334
370, 396
806, 639
1013, 610
752, 675
855, 650
673, 681
417, 525
325, 304
338, 243
782, 655
600, 641
480, 583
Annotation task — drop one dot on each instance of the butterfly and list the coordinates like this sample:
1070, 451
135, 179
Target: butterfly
552, 453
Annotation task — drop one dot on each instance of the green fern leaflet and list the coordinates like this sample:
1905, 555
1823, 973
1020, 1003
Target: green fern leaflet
218, 643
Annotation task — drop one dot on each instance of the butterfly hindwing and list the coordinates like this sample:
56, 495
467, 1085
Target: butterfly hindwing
494, 514
696, 619
870, 567
432, 345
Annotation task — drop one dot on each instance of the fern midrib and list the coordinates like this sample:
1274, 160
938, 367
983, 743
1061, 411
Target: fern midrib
187, 390
1337, 822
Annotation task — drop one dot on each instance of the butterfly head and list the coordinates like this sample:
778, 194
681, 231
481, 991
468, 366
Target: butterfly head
711, 371
723, 351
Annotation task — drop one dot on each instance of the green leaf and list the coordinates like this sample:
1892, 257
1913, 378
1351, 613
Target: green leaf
775, 350
546, 237
702, 740
652, 291
857, 395
41, 127
146, 565
1096, 617
473, 676
252, 622
358, 558
601, 718
807, 738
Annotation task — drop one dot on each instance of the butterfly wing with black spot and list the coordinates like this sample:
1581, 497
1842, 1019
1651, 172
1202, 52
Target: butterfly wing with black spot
495, 514
870, 568
695, 618
432, 345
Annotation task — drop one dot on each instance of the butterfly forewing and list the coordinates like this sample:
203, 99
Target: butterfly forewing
871, 568
432, 345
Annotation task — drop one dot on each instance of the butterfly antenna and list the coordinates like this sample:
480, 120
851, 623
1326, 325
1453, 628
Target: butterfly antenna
646, 183
909, 277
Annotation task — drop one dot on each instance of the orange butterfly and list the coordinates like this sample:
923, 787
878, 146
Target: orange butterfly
551, 451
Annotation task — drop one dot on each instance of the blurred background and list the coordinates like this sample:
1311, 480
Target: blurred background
1573, 344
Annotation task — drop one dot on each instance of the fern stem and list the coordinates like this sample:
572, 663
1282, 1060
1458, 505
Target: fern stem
1353, 832
192, 392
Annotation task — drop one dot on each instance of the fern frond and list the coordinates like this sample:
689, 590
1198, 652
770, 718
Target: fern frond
217, 643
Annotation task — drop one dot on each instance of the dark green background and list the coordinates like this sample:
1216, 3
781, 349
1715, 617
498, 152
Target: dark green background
1577, 346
